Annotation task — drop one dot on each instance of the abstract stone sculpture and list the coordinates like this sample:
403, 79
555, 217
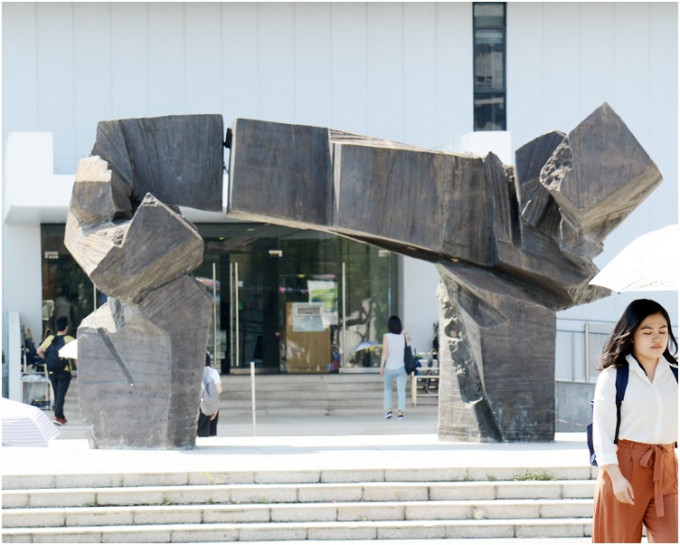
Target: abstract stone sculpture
141, 355
512, 245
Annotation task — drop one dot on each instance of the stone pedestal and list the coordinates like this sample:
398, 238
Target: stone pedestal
141, 355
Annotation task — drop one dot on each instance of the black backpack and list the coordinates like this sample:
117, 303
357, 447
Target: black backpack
621, 384
54, 362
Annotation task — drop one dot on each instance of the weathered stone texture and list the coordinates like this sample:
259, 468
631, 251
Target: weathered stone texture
264, 155
178, 159
100, 195
139, 362
141, 355
513, 245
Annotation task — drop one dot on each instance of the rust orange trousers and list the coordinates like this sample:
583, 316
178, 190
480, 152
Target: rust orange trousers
652, 471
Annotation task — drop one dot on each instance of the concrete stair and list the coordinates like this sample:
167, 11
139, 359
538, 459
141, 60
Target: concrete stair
298, 505
296, 394
343, 393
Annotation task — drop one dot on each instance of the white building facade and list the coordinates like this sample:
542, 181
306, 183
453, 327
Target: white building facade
408, 72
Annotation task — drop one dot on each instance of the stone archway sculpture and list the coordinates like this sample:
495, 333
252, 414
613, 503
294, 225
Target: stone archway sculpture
512, 246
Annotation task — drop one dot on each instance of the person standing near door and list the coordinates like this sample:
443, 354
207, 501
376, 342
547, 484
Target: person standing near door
638, 479
60, 379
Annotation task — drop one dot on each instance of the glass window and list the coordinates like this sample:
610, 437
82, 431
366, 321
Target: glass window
489, 15
489, 67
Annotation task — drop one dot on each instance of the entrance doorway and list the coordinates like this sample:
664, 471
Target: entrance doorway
295, 301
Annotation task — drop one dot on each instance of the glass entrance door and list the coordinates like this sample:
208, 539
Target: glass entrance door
253, 311
295, 301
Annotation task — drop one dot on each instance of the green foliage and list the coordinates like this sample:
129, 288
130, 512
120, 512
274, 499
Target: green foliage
533, 476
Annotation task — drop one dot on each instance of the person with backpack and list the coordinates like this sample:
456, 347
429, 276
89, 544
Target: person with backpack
637, 482
209, 409
58, 369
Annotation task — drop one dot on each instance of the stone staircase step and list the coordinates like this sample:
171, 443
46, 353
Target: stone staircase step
289, 493
272, 531
297, 512
533, 478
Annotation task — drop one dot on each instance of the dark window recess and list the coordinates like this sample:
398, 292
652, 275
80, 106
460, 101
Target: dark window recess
489, 66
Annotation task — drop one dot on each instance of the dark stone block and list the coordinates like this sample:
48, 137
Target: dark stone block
267, 157
599, 174
160, 245
369, 198
156, 246
140, 374
537, 206
183, 309
178, 159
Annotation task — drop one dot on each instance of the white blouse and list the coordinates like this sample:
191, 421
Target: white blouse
649, 412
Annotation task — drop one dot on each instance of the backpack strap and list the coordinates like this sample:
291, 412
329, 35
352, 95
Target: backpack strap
621, 384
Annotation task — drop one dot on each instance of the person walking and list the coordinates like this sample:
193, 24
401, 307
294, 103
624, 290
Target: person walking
59, 378
392, 366
637, 482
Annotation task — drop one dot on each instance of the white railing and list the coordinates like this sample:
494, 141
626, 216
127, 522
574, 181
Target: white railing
578, 347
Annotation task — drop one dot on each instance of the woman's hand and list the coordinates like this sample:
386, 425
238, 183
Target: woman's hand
382, 370
623, 491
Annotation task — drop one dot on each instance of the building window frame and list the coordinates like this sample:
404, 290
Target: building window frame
489, 35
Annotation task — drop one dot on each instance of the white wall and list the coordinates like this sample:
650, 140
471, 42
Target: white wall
564, 60
22, 292
419, 300
398, 71
31, 194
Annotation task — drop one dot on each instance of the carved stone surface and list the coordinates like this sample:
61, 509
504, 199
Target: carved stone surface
512, 245
141, 355
178, 159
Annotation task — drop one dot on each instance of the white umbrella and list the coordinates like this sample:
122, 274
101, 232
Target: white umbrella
25, 426
650, 263
69, 350
364, 345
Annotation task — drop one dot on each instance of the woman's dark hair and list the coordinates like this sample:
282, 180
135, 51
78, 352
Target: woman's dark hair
394, 325
620, 342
